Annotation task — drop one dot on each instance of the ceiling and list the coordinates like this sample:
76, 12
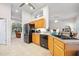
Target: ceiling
35, 5
15, 11
63, 11
56, 10
26, 7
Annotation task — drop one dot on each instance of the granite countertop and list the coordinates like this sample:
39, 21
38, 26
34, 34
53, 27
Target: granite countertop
69, 41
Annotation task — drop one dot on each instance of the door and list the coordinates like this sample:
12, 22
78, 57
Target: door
2, 32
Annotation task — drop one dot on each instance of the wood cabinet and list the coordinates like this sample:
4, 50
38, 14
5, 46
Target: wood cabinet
59, 43
58, 51
36, 38
40, 23
59, 47
56, 47
51, 44
70, 49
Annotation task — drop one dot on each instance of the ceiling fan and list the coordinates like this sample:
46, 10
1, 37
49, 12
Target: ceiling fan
29, 4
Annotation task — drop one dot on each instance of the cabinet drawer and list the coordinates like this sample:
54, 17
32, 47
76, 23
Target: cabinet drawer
58, 51
59, 43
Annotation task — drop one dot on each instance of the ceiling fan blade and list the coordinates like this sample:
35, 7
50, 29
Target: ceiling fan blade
22, 5
31, 5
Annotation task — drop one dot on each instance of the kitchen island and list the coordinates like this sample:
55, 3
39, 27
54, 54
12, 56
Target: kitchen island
61, 47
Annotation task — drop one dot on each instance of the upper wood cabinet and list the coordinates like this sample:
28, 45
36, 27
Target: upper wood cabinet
40, 23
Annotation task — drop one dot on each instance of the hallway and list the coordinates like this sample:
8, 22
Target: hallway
19, 48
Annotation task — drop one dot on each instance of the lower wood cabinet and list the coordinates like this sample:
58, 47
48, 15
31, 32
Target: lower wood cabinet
59, 43
58, 51
55, 46
59, 47
51, 44
36, 38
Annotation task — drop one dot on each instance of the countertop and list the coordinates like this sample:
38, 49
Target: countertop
68, 41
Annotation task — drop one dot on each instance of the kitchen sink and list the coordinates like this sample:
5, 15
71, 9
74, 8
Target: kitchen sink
65, 37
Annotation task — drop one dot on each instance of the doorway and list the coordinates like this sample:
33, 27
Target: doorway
16, 16
3, 31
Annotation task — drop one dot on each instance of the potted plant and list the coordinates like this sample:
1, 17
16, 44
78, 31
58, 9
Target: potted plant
17, 28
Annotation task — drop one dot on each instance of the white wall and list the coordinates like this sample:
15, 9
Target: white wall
46, 15
77, 26
42, 12
61, 24
26, 17
5, 12
65, 13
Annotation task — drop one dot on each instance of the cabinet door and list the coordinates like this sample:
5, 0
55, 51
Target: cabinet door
33, 38
37, 41
36, 38
40, 23
50, 44
58, 51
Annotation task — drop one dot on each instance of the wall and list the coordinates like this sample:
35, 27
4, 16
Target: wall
77, 26
37, 13
46, 15
42, 12
61, 24
5, 12
26, 17
65, 13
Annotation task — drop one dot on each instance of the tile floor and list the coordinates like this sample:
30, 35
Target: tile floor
19, 48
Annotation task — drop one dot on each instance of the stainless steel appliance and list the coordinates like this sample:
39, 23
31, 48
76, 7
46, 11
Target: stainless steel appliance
28, 30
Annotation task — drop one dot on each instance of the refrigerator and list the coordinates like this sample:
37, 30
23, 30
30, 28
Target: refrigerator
28, 30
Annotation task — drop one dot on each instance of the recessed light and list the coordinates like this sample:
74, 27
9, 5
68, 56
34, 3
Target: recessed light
26, 3
16, 11
31, 8
56, 21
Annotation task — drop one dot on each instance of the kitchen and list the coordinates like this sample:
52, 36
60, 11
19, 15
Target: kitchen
59, 34
50, 28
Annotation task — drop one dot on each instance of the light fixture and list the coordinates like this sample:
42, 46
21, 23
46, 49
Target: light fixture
31, 7
16, 11
56, 21
26, 3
